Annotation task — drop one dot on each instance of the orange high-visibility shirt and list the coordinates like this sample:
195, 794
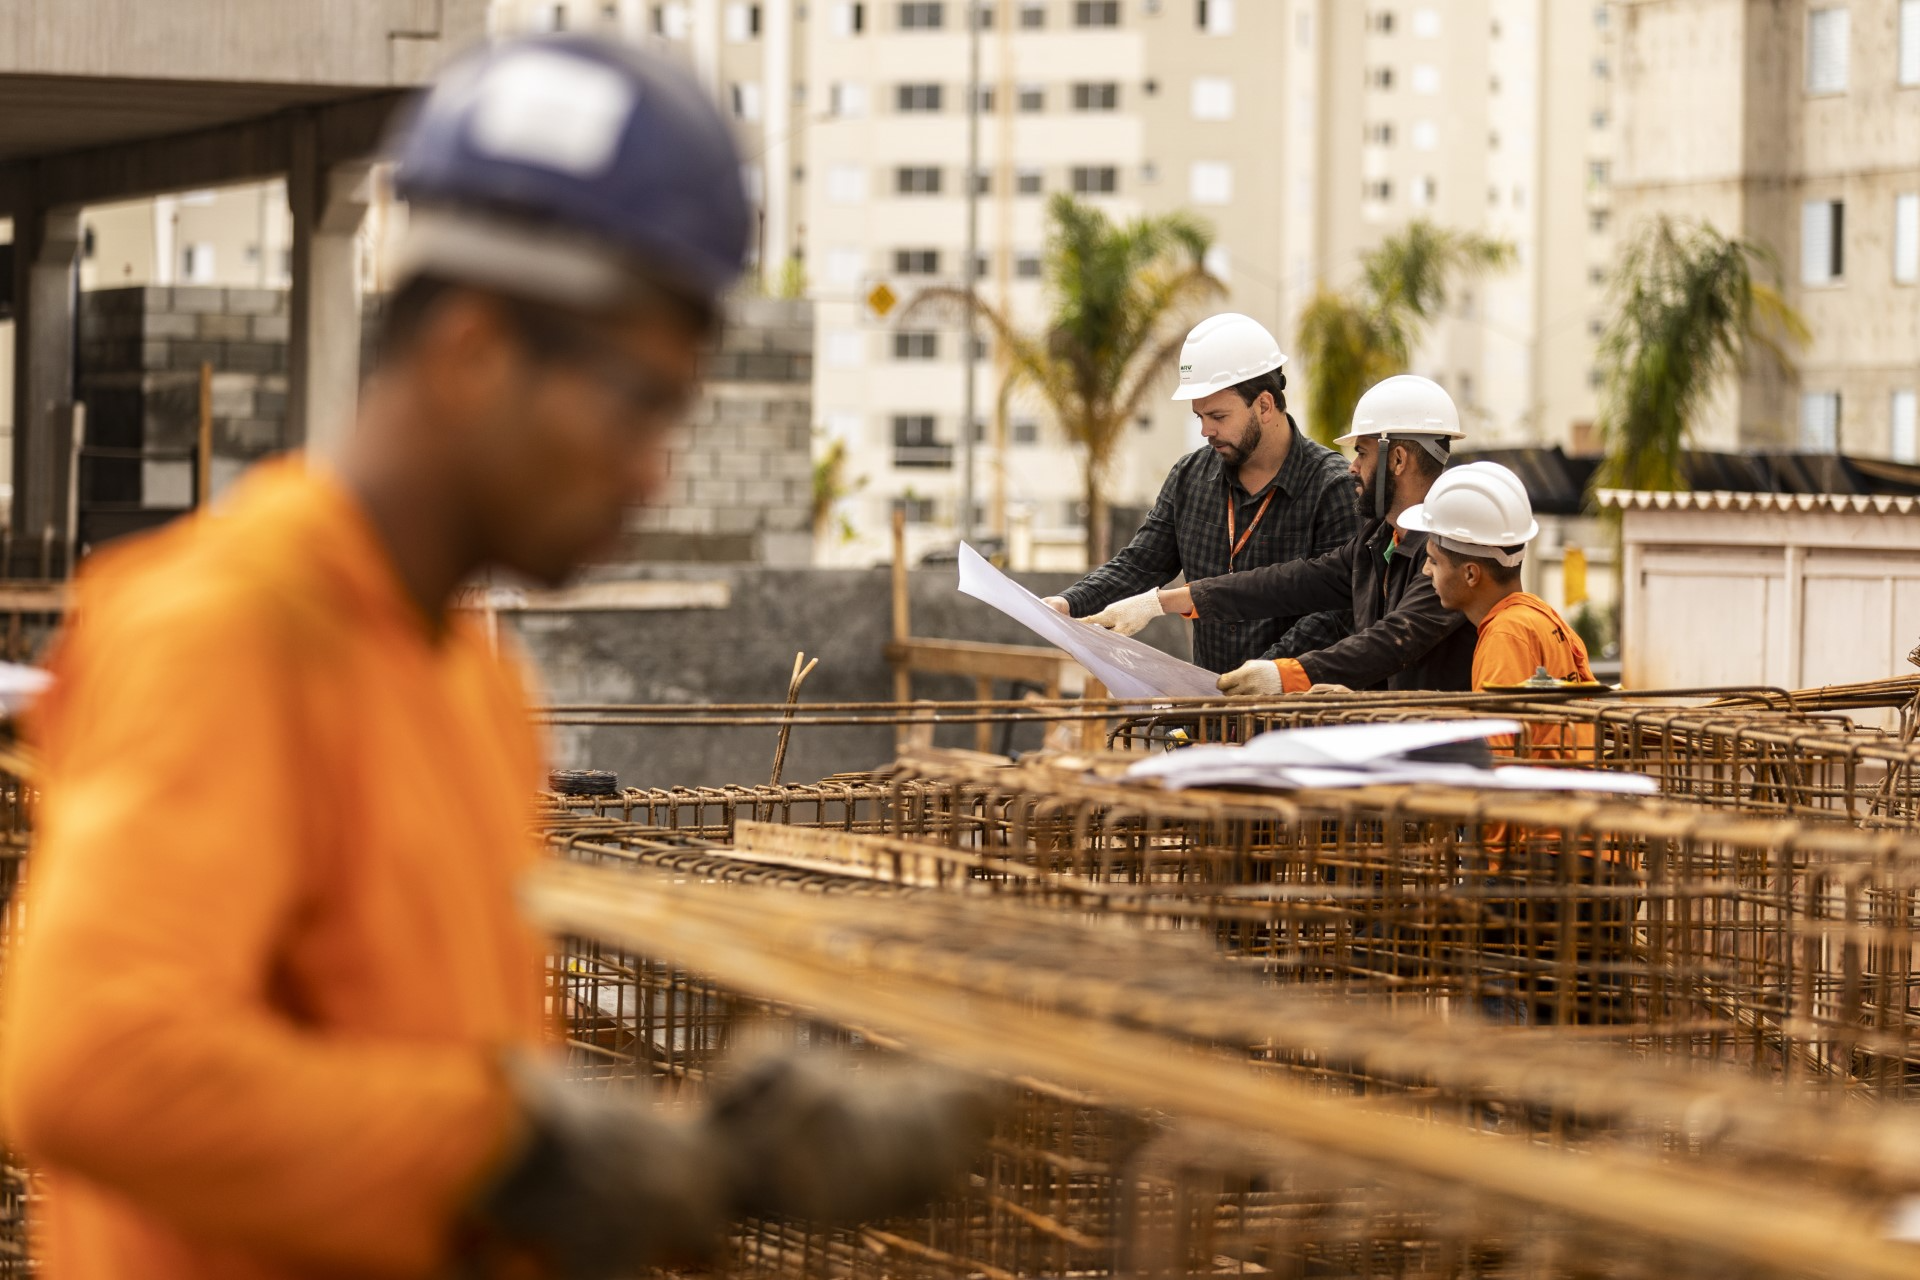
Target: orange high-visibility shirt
271, 952
1519, 635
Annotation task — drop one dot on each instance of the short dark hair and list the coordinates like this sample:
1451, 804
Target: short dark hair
1424, 462
1273, 382
406, 311
1507, 575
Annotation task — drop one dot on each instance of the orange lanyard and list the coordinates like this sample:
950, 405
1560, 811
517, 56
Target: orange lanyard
1235, 548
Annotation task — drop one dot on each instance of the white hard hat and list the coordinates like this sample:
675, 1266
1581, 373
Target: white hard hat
1224, 351
1405, 405
1476, 510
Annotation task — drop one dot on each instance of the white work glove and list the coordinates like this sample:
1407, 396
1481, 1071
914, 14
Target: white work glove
1060, 606
1260, 676
1129, 615
1329, 688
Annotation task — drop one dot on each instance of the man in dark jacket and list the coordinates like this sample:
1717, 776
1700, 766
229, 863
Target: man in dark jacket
1403, 637
1257, 492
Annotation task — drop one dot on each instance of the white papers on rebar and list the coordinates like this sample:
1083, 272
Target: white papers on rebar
1129, 668
1369, 755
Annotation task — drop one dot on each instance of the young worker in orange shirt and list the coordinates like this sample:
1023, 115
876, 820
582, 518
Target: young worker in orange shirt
1478, 521
277, 1013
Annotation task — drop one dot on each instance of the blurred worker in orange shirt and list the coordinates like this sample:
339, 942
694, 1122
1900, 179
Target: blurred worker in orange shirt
1479, 519
275, 1013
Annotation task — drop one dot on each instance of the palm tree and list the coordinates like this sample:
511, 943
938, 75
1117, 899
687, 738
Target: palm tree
1349, 341
1690, 310
1123, 297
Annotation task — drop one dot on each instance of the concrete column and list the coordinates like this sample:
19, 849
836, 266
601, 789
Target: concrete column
46, 258
323, 352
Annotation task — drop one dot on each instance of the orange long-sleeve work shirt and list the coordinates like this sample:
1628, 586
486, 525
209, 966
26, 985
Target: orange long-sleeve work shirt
1519, 635
271, 951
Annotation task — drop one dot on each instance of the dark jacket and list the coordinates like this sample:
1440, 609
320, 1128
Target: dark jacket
1186, 532
1403, 638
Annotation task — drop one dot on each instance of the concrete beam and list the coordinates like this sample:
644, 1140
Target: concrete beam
251, 151
329, 201
46, 255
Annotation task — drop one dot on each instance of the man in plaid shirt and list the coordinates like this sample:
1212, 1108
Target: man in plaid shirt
1257, 492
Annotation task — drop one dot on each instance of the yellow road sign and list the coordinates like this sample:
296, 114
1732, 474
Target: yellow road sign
881, 299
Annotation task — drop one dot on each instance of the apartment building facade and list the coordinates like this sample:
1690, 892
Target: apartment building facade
1488, 115
1796, 126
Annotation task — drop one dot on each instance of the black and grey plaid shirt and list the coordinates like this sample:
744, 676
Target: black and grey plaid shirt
1186, 533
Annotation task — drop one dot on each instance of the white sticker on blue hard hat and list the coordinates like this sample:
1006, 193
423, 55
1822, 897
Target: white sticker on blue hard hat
548, 109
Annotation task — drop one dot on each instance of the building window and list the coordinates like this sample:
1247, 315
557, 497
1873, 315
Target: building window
982, 182
1426, 24
1906, 238
915, 344
1380, 78
917, 97
1601, 119
1029, 182
1026, 266
1210, 182
1378, 191
1820, 421
1598, 220
1031, 98
1596, 275
196, 264
917, 510
847, 184
916, 180
983, 99
983, 14
1823, 225
1024, 431
1102, 96
848, 100
555, 18
846, 348
1600, 17
1033, 16
1380, 22
1215, 17
1910, 42
914, 442
746, 101
1426, 79
1827, 36
850, 19
916, 262
922, 17
1425, 135
981, 265
1901, 439
1212, 98
1425, 192
743, 21
844, 266
1380, 134
1096, 13
1599, 173
1095, 180
1218, 263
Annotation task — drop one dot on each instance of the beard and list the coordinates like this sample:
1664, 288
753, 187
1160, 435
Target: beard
1235, 455
1365, 492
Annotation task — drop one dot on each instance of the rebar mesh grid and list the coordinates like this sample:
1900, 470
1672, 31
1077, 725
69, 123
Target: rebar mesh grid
1529, 1157
1787, 947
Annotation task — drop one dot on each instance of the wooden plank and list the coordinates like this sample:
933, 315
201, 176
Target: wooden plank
642, 596
975, 658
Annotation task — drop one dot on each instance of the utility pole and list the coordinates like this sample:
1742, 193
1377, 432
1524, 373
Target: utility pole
963, 519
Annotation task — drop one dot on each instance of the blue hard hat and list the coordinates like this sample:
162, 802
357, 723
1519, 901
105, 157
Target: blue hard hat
574, 169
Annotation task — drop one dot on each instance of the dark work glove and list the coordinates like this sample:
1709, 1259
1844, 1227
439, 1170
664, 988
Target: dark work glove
802, 1138
603, 1186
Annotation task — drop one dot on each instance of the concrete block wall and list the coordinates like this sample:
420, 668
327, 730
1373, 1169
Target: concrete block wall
742, 484
139, 364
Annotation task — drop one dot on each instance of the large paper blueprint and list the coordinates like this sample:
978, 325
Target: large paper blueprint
1127, 667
